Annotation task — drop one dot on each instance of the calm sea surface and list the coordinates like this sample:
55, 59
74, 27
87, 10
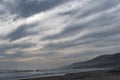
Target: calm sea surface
22, 74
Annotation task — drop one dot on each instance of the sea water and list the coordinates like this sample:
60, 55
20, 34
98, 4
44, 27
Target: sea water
24, 74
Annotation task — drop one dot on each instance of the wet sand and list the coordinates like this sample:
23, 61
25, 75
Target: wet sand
91, 75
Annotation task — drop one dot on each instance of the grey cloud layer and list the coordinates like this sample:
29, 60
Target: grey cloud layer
21, 32
53, 31
26, 8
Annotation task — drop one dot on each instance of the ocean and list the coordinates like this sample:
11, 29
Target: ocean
23, 74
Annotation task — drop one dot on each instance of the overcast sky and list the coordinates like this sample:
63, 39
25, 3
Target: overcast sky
39, 34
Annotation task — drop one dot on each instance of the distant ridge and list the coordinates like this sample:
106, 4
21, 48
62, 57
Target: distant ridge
103, 61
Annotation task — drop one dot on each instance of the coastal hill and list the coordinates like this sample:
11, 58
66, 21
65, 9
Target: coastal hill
103, 61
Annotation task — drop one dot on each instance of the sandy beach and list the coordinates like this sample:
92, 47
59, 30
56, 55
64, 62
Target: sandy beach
91, 75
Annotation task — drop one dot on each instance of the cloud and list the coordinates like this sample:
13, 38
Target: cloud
20, 32
26, 8
57, 34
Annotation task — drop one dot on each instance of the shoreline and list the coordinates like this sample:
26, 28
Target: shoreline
90, 75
